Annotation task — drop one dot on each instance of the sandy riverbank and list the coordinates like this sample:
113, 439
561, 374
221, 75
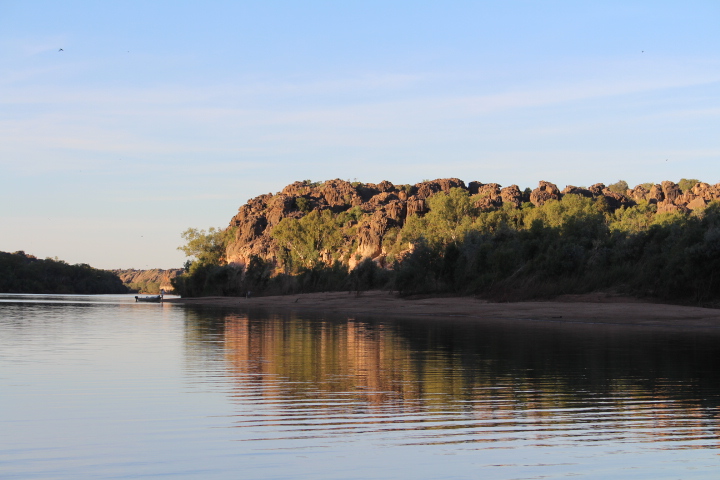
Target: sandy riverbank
592, 308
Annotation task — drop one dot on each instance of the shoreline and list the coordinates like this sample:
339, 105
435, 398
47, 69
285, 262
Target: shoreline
596, 308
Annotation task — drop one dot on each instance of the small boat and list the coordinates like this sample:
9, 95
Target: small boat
148, 298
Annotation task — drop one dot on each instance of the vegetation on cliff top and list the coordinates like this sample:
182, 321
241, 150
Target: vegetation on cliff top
22, 273
655, 240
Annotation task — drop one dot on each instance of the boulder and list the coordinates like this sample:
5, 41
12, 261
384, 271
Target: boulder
671, 191
488, 197
415, 206
616, 200
639, 193
698, 203
706, 191
656, 194
570, 189
545, 191
512, 195
427, 189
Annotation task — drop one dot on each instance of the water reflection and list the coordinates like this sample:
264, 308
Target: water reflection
419, 382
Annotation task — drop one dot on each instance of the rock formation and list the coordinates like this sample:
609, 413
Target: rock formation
148, 281
385, 208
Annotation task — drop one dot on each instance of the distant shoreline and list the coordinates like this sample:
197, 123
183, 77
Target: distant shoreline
585, 309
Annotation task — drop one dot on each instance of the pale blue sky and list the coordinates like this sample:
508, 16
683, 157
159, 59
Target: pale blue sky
158, 116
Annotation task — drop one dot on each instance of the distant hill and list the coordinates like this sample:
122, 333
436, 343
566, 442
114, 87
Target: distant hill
23, 273
148, 281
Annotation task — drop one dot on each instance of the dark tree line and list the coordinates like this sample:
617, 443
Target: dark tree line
22, 273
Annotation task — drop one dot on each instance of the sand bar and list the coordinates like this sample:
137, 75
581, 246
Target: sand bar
592, 308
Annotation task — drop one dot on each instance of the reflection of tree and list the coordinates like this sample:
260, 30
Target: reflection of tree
656, 385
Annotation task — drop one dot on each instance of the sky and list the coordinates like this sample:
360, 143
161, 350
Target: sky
124, 123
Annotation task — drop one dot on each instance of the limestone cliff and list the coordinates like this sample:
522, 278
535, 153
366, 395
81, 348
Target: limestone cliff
385, 208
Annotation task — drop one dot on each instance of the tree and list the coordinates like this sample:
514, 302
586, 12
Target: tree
306, 238
687, 184
621, 187
207, 247
449, 219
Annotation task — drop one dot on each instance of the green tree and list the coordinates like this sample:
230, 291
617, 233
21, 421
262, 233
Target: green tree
303, 204
449, 219
206, 247
686, 184
621, 187
305, 239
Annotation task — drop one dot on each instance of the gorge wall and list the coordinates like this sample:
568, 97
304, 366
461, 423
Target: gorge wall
381, 209
148, 281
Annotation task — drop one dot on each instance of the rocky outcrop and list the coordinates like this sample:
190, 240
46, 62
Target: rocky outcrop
148, 281
545, 191
570, 189
382, 209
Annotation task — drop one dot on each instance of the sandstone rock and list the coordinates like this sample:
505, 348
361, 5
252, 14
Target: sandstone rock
639, 193
617, 200
396, 210
370, 235
250, 229
656, 194
386, 186
427, 189
379, 200
671, 191
698, 203
545, 191
667, 207
280, 207
390, 205
488, 197
706, 192
597, 189
339, 193
570, 189
296, 189
474, 186
158, 276
415, 206
512, 195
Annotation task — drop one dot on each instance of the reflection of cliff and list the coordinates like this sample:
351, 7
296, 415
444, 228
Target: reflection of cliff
464, 379
332, 357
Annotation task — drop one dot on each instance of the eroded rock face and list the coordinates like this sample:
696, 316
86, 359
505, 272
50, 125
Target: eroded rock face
512, 195
427, 189
415, 206
370, 235
656, 194
639, 193
706, 192
389, 205
488, 197
616, 200
545, 191
671, 191
570, 189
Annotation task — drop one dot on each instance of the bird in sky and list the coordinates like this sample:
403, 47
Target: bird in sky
61, 50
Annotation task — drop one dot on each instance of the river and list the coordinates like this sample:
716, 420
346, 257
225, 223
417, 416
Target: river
102, 387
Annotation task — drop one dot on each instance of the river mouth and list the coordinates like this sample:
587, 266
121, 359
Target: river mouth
101, 386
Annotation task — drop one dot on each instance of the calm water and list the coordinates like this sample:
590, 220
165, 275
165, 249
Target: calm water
103, 387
